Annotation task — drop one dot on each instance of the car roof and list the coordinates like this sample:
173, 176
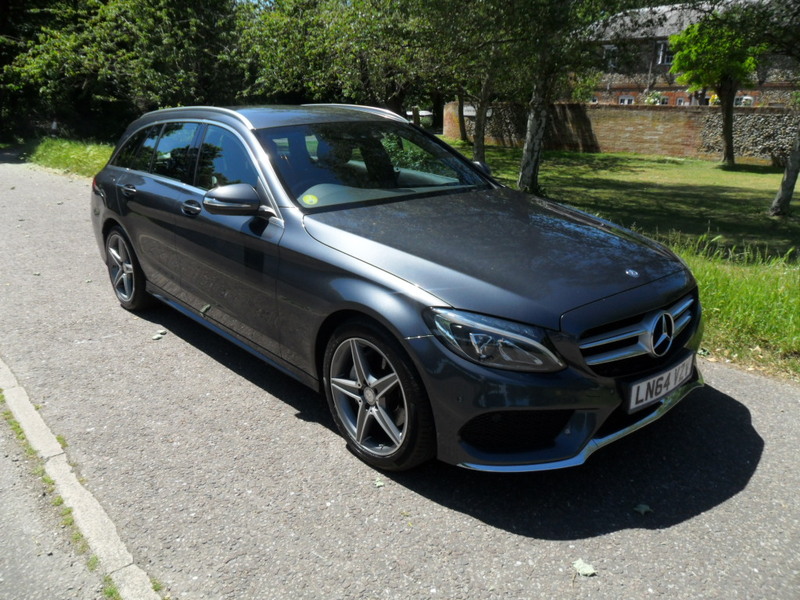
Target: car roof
260, 117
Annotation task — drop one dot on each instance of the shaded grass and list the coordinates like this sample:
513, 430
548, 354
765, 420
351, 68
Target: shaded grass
70, 156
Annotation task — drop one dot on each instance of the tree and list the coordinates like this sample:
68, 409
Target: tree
20, 24
363, 51
775, 25
474, 49
712, 54
559, 41
114, 59
285, 53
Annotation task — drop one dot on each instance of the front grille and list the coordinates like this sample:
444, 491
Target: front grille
515, 431
627, 346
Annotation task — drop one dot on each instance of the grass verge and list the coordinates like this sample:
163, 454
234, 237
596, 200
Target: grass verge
752, 309
80, 158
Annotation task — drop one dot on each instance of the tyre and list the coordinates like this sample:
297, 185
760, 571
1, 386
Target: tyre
377, 398
126, 275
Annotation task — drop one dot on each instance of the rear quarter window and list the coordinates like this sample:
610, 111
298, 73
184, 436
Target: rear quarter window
133, 155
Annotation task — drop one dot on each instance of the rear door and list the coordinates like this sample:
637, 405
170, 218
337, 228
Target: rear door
151, 192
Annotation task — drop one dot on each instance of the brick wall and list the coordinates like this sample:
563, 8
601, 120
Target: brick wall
663, 130
690, 131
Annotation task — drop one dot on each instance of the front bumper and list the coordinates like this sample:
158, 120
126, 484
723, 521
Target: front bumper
503, 421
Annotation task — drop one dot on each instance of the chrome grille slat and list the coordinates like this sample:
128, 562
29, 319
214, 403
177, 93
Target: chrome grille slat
614, 355
601, 340
638, 334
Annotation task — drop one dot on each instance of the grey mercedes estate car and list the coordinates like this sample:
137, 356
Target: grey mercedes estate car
441, 314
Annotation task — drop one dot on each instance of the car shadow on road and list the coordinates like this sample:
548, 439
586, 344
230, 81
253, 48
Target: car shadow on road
699, 455
310, 406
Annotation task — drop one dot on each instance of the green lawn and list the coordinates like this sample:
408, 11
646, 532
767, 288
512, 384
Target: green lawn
80, 158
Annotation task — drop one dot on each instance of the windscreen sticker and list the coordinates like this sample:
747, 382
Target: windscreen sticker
310, 199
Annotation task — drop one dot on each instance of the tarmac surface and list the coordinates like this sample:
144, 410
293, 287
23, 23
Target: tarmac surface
191, 463
38, 561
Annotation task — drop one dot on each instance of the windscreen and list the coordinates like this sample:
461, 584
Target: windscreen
325, 165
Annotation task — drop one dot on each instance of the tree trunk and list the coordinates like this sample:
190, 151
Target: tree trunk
780, 205
437, 99
534, 145
479, 139
395, 104
462, 124
727, 93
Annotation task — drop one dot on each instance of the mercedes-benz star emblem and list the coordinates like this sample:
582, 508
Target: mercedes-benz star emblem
632, 273
663, 330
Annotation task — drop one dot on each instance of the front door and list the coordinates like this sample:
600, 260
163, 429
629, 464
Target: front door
228, 264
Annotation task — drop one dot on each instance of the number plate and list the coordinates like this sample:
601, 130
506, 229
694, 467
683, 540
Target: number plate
653, 389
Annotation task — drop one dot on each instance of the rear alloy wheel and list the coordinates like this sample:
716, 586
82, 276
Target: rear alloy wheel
377, 398
125, 273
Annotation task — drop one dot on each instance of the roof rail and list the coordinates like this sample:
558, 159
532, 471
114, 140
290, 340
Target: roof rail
383, 112
228, 111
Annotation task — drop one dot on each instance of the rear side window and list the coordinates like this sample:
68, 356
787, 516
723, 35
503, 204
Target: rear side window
224, 160
175, 154
138, 150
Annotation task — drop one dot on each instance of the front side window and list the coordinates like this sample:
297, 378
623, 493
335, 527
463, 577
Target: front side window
224, 160
175, 152
327, 164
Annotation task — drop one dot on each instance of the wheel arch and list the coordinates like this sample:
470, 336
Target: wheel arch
335, 320
110, 224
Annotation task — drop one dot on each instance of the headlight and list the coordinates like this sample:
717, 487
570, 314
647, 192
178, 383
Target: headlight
493, 342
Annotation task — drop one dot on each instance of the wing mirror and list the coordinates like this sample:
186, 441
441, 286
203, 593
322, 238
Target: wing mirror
483, 167
235, 199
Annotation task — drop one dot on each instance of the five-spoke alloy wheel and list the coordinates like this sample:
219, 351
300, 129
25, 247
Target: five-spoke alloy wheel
377, 399
124, 271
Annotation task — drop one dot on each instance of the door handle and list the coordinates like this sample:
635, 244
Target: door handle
191, 208
128, 190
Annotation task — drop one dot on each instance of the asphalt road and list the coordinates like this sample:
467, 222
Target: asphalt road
226, 479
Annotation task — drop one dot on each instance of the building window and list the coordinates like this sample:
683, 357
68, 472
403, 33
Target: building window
664, 100
663, 53
626, 99
680, 101
743, 101
610, 56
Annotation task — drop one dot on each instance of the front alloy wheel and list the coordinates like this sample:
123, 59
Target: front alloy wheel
376, 398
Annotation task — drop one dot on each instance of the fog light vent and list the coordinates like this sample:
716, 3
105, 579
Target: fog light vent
515, 431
